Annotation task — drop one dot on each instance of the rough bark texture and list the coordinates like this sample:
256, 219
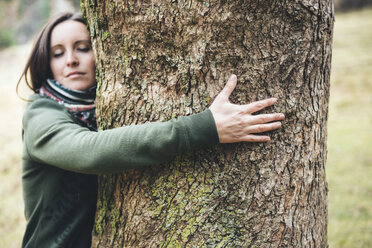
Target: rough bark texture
160, 59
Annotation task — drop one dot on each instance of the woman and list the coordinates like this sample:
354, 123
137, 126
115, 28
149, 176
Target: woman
63, 152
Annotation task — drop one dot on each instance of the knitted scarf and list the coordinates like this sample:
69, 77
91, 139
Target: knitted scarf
79, 103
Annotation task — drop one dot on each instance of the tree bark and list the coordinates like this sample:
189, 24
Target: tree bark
157, 60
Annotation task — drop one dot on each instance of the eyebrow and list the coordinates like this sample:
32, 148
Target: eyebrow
75, 43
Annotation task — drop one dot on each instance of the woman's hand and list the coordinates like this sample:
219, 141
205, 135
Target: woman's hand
236, 123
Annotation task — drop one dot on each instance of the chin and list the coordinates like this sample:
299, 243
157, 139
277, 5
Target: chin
78, 85
81, 87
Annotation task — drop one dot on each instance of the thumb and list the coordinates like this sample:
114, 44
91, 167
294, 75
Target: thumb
229, 87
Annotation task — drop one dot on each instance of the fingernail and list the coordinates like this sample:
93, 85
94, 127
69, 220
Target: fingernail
281, 116
274, 100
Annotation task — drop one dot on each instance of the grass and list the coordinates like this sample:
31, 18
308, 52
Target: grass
349, 167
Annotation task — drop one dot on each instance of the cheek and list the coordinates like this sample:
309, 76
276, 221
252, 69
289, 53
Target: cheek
56, 68
92, 65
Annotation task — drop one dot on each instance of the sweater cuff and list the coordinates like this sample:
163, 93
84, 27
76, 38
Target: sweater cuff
201, 130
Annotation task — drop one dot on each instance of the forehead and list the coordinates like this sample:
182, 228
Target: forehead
68, 32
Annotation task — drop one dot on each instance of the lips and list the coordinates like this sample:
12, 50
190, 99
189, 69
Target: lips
75, 74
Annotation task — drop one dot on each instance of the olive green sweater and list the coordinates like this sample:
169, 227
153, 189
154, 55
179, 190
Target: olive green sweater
61, 160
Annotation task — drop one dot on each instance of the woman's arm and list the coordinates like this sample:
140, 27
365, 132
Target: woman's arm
236, 123
52, 137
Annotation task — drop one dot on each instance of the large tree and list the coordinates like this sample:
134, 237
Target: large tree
157, 60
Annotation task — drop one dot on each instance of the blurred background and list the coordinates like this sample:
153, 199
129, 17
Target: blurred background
349, 163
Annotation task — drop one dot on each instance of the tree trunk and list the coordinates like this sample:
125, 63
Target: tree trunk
157, 60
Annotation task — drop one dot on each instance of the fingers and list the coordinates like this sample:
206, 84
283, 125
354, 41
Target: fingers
265, 118
260, 128
229, 88
256, 138
252, 137
248, 133
259, 105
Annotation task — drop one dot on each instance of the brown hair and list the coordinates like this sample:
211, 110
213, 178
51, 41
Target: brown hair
38, 64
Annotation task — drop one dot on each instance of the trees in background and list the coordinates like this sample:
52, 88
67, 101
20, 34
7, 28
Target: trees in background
345, 5
21, 20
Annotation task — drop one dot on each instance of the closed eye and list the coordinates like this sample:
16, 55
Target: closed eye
85, 49
56, 55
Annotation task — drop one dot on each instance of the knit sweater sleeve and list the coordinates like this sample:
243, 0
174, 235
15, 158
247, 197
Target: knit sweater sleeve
52, 137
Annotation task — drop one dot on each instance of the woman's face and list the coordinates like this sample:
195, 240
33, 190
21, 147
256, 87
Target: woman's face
72, 59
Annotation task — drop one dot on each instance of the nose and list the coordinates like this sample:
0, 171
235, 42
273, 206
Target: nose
72, 59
